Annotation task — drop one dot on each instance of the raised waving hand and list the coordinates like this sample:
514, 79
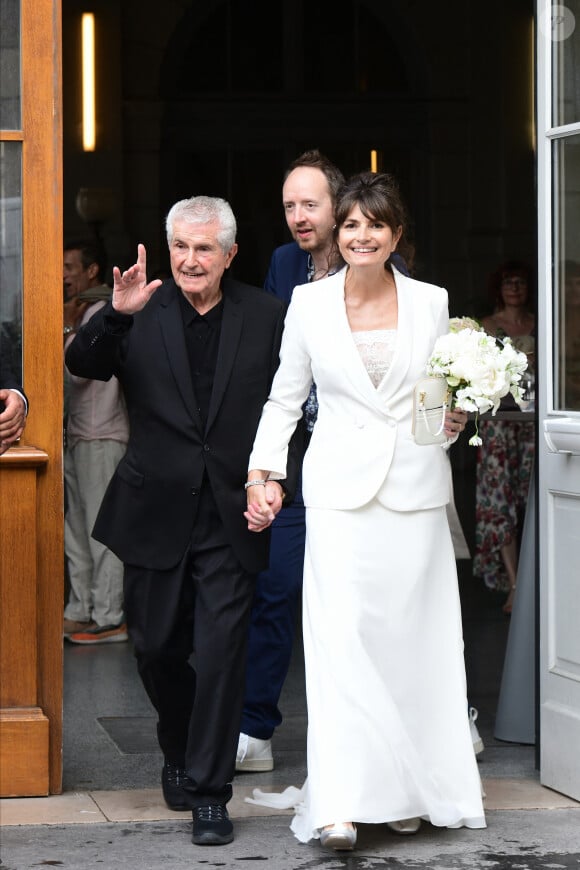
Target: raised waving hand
131, 292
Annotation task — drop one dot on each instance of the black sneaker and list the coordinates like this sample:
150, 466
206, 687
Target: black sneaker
173, 782
212, 826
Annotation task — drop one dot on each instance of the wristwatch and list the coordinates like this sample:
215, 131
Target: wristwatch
68, 329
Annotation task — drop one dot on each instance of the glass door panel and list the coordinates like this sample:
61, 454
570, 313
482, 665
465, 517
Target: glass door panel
564, 23
11, 187
566, 186
10, 86
11, 255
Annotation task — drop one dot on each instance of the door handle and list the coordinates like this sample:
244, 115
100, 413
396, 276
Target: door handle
562, 435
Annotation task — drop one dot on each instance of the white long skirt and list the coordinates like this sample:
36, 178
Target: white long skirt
388, 728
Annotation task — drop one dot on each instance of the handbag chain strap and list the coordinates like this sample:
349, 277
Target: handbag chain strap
422, 395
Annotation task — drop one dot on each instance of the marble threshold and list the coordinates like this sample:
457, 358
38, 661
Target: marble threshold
146, 805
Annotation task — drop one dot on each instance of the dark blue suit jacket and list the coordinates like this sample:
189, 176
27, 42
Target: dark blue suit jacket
288, 268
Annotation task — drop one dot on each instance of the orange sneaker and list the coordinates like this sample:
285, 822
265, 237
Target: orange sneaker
71, 626
100, 634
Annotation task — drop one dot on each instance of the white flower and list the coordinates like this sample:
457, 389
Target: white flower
458, 323
479, 369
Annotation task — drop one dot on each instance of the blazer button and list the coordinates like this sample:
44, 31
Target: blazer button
206, 447
194, 491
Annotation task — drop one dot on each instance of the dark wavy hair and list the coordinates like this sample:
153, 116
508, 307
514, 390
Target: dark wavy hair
377, 195
511, 269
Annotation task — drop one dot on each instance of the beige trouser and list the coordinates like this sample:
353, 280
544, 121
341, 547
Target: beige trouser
96, 574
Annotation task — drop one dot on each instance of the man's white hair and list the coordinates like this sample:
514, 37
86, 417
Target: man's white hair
204, 210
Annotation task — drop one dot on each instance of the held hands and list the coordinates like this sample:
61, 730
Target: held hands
12, 418
455, 422
264, 502
131, 292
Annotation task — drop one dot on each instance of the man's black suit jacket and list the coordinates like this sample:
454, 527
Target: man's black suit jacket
148, 511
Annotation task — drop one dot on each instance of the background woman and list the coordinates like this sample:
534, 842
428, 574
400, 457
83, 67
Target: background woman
388, 736
505, 460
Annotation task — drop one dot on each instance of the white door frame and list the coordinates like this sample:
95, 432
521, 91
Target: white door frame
558, 470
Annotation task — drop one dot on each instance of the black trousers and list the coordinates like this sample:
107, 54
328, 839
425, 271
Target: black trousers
189, 628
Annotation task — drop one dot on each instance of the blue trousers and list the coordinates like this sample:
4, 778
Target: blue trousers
273, 623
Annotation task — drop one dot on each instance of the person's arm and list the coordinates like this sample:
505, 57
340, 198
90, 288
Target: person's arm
96, 349
278, 427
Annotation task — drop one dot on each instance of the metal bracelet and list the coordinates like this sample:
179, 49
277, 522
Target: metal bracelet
255, 483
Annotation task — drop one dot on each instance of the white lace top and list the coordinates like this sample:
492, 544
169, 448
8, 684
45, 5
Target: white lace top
377, 349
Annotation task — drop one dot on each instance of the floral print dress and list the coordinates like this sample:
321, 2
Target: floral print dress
504, 467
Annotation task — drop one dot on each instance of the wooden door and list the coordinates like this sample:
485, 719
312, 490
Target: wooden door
31, 502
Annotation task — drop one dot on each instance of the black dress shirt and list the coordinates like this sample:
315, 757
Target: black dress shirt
202, 337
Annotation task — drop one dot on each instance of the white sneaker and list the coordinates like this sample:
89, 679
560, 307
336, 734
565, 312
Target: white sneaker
475, 735
254, 754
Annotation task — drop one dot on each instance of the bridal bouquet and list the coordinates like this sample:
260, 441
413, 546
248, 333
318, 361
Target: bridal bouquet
478, 368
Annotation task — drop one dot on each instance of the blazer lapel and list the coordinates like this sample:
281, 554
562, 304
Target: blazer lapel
232, 320
337, 328
171, 323
404, 345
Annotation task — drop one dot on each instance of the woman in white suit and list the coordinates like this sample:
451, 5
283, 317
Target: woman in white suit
388, 736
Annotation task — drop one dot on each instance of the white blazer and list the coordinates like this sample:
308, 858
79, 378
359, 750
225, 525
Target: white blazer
362, 446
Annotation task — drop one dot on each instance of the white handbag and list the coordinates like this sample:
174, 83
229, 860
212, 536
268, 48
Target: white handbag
431, 397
